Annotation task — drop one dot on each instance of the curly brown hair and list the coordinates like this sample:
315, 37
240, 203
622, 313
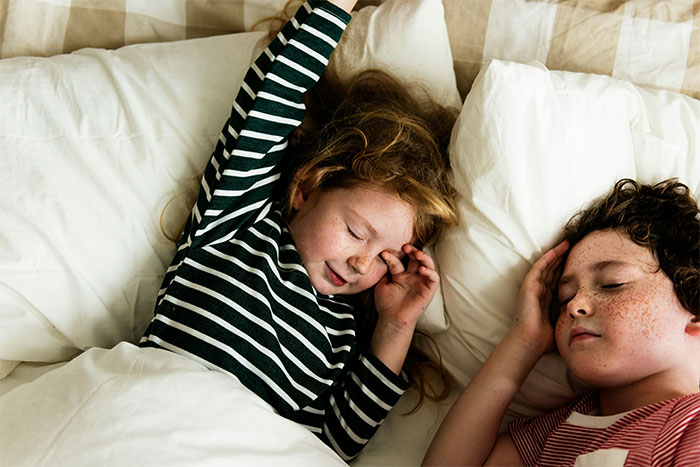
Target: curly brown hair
663, 217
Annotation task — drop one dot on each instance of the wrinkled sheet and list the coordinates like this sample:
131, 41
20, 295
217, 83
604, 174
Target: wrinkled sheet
134, 406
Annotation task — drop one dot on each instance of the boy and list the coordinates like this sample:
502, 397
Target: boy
628, 324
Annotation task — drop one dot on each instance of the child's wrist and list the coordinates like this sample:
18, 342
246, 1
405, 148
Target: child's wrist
529, 350
397, 324
390, 342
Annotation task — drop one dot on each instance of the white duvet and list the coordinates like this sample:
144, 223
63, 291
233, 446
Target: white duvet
133, 406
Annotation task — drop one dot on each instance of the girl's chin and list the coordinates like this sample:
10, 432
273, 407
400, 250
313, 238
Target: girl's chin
324, 287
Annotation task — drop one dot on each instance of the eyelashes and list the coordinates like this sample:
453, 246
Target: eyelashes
354, 235
360, 239
563, 302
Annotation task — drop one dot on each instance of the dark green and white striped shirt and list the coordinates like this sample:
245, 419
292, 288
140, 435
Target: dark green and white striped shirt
236, 297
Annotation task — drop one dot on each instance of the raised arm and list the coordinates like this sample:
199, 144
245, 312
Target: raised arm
346, 5
469, 433
243, 170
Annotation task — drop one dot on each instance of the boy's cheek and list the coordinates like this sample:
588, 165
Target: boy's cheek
559, 331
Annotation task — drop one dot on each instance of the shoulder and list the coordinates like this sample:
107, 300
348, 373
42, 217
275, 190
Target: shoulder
681, 436
685, 414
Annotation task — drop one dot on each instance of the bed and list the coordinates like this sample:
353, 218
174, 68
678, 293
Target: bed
108, 113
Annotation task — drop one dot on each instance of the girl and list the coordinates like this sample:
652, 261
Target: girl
285, 227
628, 324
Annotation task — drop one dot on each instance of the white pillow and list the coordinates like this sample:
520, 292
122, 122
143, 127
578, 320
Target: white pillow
530, 148
407, 38
94, 144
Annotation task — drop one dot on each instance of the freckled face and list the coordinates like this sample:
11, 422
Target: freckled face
621, 321
340, 234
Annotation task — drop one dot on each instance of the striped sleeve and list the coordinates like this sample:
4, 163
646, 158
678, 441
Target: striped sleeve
360, 404
243, 170
347, 418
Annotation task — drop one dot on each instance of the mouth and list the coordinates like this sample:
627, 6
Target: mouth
334, 277
579, 334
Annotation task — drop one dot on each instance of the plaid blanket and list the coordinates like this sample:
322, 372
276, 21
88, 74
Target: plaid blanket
650, 43
49, 27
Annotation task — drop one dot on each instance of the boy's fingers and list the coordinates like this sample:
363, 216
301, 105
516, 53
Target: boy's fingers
561, 248
553, 270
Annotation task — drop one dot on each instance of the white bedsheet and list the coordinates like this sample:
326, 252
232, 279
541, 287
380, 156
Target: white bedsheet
134, 406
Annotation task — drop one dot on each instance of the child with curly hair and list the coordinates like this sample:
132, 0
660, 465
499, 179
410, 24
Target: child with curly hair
297, 217
628, 324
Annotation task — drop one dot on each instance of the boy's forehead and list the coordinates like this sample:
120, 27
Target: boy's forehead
604, 248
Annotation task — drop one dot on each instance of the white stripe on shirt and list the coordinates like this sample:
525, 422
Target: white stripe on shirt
297, 67
308, 51
319, 34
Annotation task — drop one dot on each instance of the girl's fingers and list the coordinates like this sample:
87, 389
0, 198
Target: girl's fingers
419, 256
393, 262
429, 273
421, 264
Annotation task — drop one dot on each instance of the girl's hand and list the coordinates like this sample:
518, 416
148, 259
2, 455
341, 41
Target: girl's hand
401, 297
531, 323
404, 293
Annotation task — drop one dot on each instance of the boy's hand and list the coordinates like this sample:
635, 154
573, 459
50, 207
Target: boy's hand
531, 322
403, 294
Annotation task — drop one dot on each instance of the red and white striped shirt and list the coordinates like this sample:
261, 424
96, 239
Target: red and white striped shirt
661, 434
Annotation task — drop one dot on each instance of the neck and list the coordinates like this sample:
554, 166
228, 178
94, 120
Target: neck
614, 400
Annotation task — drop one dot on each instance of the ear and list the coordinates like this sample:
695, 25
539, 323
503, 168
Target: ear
303, 191
693, 326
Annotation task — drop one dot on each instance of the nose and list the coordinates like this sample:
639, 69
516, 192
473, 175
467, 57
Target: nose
580, 305
361, 263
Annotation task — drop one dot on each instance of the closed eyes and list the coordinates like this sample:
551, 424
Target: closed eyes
564, 301
355, 235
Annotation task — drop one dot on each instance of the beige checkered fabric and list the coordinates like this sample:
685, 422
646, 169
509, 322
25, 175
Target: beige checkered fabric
49, 27
651, 43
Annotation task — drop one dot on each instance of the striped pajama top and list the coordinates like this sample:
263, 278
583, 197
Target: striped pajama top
661, 434
236, 297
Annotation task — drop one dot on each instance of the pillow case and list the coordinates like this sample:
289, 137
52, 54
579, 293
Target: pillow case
531, 147
94, 145
654, 44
